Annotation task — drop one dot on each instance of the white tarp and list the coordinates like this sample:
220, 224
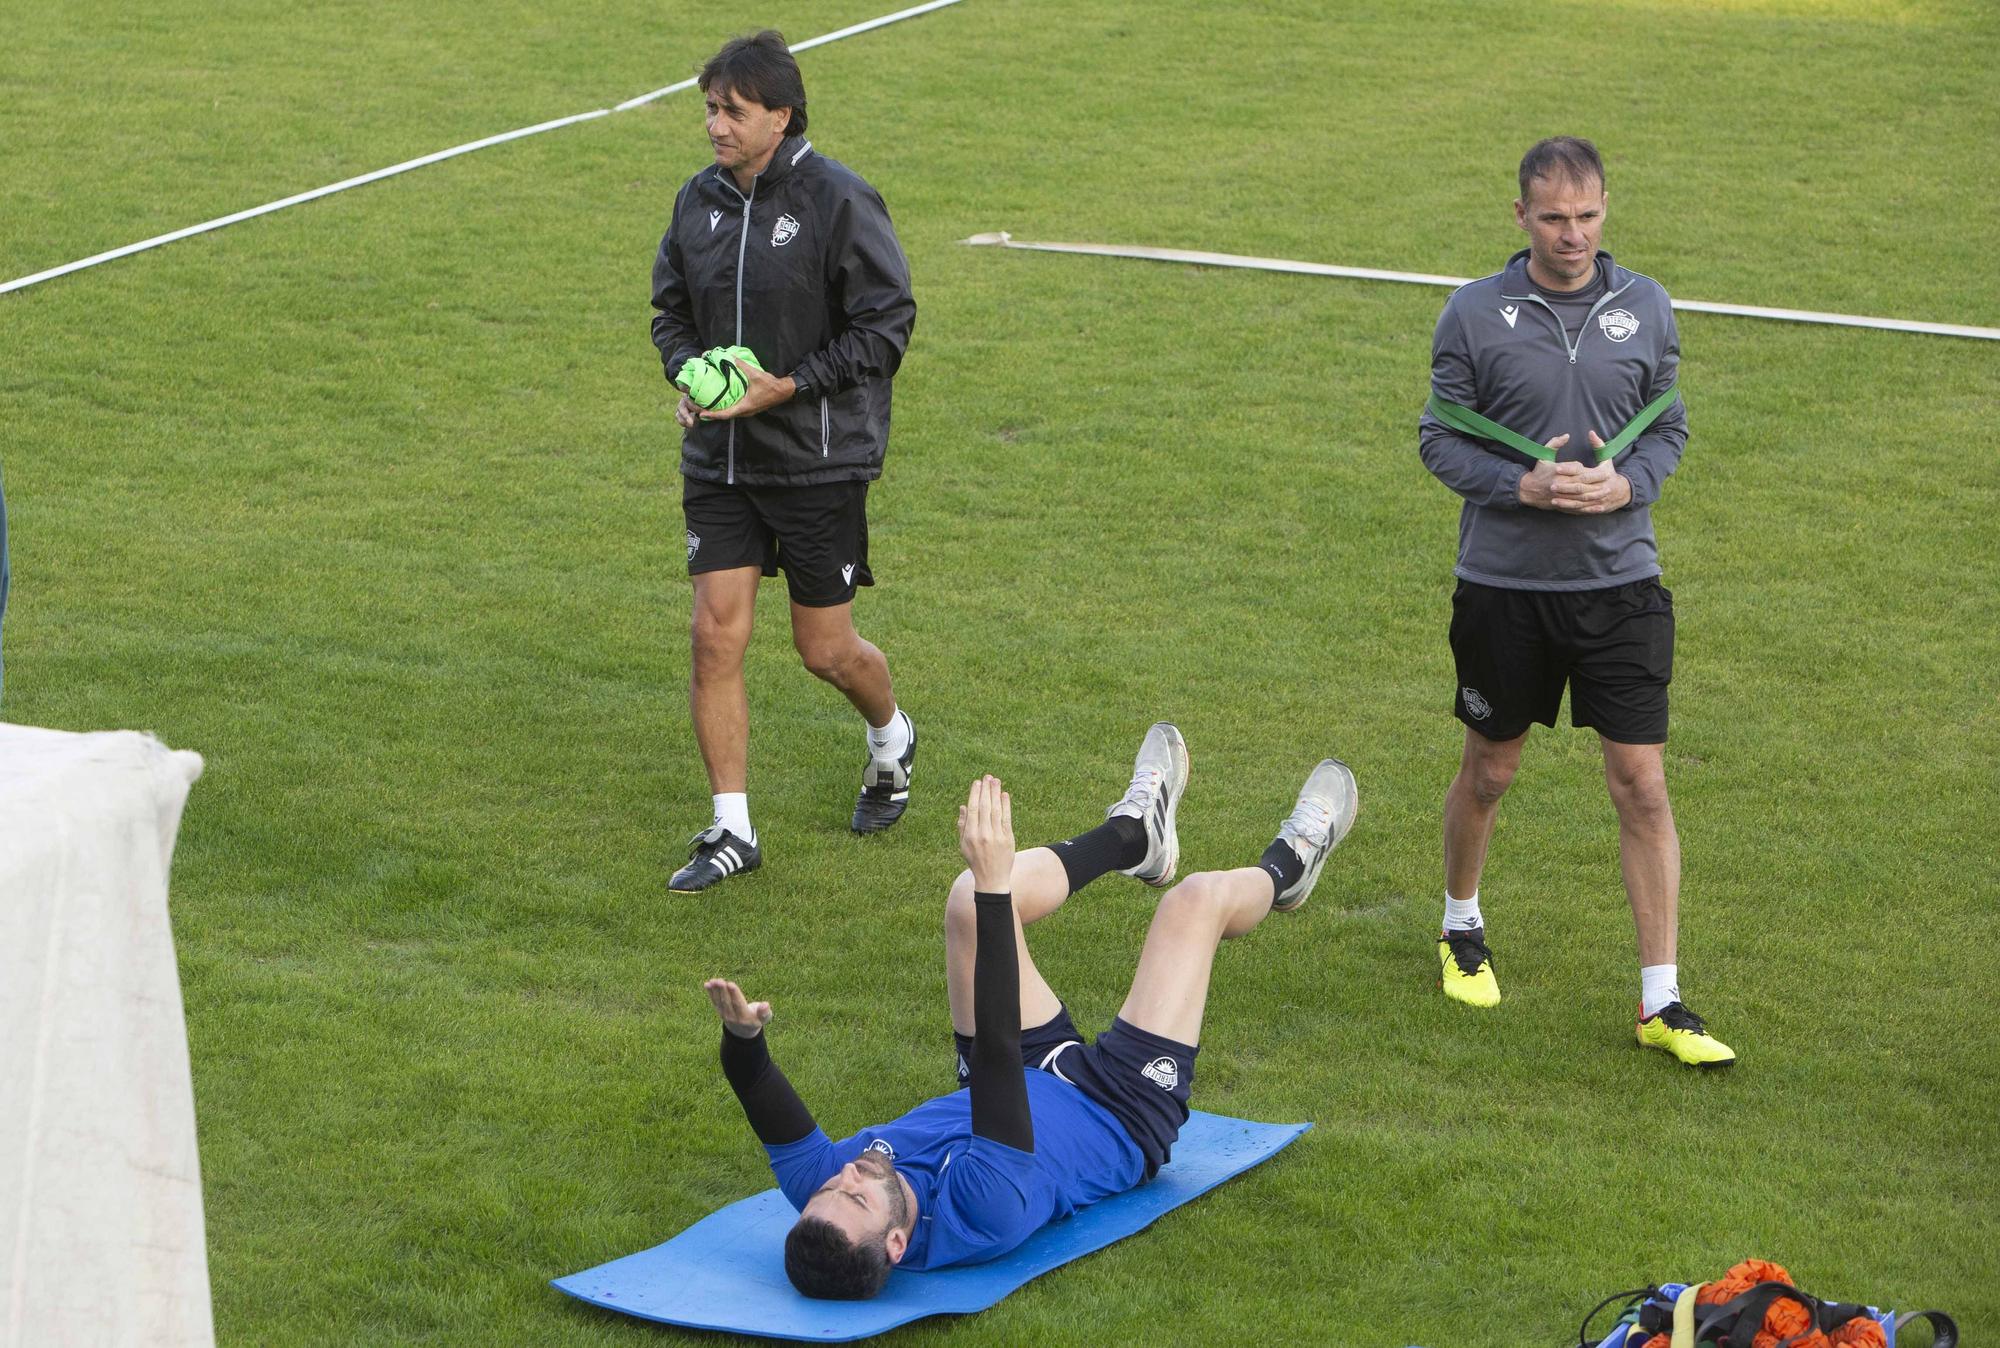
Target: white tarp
101, 1239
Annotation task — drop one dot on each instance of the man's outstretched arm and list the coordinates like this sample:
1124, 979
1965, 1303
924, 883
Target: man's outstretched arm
774, 1109
999, 1083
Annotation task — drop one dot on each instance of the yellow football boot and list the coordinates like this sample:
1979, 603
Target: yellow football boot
1679, 1031
1468, 968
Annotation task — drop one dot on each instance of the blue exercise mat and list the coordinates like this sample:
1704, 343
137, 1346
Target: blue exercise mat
727, 1271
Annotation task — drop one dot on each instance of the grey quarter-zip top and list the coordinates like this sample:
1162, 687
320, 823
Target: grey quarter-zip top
1501, 353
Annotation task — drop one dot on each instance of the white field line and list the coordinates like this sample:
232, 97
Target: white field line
1002, 239
23, 282
807, 45
269, 206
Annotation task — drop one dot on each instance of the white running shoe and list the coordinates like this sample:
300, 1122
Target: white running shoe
1159, 776
1327, 805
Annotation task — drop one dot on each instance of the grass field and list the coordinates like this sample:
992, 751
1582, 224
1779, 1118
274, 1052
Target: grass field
373, 502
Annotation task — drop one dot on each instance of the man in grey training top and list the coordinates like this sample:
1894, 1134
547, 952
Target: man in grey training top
1554, 414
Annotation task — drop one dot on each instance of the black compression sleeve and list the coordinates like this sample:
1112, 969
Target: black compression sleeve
999, 1082
774, 1109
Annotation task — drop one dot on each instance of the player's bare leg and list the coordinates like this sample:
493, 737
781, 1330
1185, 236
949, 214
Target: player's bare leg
1472, 804
1040, 886
834, 652
1170, 988
725, 604
1649, 848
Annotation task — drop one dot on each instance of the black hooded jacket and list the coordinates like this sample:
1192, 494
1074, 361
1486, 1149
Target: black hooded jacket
806, 271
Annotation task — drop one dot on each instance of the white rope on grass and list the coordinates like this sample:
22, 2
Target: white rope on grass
1002, 239
23, 282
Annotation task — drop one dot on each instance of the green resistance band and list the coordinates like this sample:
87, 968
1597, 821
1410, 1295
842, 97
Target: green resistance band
1468, 422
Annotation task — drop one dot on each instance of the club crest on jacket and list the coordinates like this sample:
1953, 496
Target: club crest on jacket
784, 231
1618, 324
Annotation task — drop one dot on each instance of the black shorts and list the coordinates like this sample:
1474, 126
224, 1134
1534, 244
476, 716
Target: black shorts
1141, 1078
1515, 649
818, 535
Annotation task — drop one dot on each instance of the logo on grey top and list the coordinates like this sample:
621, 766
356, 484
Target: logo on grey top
1510, 312
1618, 324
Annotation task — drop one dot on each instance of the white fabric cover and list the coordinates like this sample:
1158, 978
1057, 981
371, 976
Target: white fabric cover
101, 1239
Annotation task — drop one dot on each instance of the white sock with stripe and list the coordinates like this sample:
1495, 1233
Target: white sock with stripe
887, 743
732, 811
1659, 988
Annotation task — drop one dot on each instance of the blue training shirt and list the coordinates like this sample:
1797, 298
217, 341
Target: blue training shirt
977, 1199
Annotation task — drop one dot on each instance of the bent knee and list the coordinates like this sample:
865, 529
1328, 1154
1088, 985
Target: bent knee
826, 660
1198, 898
961, 914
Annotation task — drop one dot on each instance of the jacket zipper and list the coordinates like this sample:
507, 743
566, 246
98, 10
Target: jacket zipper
1563, 332
825, 445
742, 246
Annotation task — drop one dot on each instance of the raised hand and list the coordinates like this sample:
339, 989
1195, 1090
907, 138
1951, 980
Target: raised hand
986, 836
740, 1016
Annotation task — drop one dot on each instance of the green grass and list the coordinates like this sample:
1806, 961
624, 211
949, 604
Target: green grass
373, 503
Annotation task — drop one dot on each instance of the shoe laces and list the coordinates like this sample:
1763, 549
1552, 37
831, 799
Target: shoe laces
1312, 821
1146, 784
708, 837
1676, 1016
1468, 950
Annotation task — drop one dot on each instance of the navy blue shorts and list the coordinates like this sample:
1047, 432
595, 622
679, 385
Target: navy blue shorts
1141, 1077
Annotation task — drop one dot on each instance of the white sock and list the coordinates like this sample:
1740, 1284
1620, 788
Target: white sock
1659, 988
890, 742
1462, 914
732, 811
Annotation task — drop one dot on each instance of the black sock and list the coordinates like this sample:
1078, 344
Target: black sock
1117, 844
1282, 864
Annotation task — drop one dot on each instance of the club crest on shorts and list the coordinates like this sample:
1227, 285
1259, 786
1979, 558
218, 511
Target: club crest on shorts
1618, 324
784, 231
879, 1145
1162, 1072
1477, 707
694, 544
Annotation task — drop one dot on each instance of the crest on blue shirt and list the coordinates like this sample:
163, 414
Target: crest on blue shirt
879, 1145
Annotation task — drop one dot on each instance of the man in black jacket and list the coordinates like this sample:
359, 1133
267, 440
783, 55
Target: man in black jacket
778, 249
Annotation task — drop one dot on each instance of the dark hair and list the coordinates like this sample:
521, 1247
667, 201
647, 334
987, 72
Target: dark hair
822, 1262
1559, 158
760, 68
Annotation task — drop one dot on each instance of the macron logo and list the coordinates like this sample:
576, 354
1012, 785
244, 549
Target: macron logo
714, 219
847, 574
1510, 313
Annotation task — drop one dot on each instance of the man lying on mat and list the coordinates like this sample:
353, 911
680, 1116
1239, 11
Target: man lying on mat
1051, 1124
